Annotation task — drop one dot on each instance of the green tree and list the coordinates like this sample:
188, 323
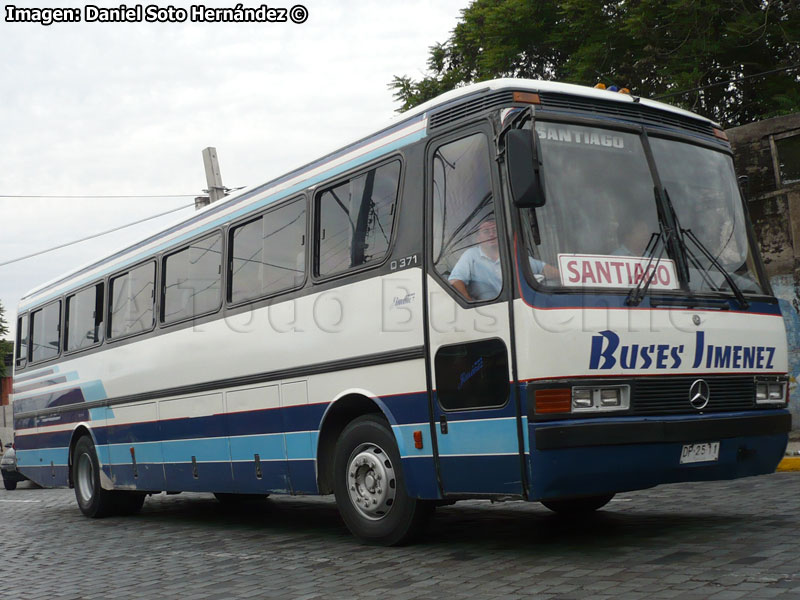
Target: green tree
653, 47
6, 347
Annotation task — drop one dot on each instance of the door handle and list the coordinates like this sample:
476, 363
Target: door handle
443, 424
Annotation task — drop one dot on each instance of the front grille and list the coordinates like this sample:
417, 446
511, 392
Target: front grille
670, 395
624, 110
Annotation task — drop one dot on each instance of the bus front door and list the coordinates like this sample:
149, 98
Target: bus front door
475, 417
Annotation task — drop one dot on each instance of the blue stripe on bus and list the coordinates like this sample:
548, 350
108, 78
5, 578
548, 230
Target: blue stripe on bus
250, 208
202, 450
406, 445
301, 445
148, 452
258, 422
43, 456
486, 436
268, 447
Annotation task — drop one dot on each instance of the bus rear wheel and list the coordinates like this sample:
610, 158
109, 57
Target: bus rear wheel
93, 500
578, 506
370, 488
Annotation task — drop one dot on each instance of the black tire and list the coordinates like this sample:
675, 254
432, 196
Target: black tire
9, 484
93, 500
578, 506
367, 469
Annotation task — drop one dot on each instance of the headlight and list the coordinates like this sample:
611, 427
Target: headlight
598, 399
771, 392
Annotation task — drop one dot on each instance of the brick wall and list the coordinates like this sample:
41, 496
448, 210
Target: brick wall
774, 206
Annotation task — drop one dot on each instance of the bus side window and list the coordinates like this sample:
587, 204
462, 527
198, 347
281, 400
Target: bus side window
132, 301
22, 341
463, 214
46, 332
268, 253
192, 280
355, 220
84, 319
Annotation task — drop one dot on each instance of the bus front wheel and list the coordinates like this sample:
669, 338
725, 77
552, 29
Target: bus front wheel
370, 488
578, 506
92, 499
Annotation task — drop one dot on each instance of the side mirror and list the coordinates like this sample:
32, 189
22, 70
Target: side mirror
523, 169
744, 186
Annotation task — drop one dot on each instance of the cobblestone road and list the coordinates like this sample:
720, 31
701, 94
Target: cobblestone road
713, 540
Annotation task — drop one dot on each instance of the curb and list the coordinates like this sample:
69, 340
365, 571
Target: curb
790, 463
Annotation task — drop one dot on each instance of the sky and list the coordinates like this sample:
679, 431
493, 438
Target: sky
112, 109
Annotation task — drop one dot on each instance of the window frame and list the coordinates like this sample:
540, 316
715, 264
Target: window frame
104, 309
483, 127
152, 259
32, 314
650, 131
316, 221
509, 370
161, 281
21, 360
251, 218
776, 158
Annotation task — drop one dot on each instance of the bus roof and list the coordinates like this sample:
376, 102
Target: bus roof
401, 130
537, 85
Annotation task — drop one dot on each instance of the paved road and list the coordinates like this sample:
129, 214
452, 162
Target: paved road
714, 540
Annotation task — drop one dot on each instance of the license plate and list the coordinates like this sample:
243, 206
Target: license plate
696, 453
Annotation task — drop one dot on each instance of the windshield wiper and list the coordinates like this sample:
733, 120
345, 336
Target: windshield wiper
700, 246
728, 277
636, 295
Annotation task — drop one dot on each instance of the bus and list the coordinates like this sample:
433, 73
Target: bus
520, 290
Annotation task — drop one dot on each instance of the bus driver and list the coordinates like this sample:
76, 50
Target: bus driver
477, 274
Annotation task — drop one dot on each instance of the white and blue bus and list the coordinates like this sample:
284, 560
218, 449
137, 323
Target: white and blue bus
519, 290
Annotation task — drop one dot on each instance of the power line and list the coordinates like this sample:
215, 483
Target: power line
111, 196
96, 235
710, 85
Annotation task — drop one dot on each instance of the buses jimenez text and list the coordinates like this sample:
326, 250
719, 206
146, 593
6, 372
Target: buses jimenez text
154, 13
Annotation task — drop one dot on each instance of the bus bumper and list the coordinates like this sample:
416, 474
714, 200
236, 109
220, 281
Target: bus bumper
600, 456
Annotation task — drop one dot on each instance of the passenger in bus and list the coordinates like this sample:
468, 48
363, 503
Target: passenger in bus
478, 275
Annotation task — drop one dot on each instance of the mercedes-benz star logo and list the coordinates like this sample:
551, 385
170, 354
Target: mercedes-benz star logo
699, 394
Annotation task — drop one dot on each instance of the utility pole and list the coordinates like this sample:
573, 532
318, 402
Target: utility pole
213, 179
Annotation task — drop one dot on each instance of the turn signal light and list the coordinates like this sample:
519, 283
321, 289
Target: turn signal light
718, 133
418, 440
553, 401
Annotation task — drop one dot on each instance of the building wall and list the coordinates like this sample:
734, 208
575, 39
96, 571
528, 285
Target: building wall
766, 151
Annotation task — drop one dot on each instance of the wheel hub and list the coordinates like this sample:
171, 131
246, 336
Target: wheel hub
85, 479
371, 481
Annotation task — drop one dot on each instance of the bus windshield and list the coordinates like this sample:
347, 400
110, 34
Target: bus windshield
601, 211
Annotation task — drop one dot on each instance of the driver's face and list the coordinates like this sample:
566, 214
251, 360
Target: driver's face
487, 233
